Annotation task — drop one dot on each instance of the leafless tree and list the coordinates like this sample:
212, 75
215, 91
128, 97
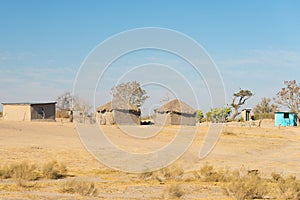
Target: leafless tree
289, 96
64, 101
265, 107
68, 103
130, 91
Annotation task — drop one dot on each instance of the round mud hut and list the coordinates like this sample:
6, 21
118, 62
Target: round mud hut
175, 112
118, 111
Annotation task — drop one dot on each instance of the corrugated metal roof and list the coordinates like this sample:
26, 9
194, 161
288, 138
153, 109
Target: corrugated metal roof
28, 103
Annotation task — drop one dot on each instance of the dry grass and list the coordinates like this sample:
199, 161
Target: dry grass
209, 174
249, 186
23, 172
174, 191
286, 188
54, 170
173, 172
80, 186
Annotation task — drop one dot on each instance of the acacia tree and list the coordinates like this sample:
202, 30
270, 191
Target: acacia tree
238, 100
130, 91
289, 96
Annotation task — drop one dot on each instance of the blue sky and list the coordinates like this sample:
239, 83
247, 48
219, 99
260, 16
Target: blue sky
255, 44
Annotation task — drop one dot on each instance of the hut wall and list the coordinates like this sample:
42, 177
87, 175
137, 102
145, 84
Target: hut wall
285, 119
183, 119
105, 118
126, 117
43, 111
16, 112
162, 119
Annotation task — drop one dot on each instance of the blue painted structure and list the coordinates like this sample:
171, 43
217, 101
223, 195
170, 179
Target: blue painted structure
285, 119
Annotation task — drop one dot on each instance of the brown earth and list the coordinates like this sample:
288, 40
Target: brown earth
267, 149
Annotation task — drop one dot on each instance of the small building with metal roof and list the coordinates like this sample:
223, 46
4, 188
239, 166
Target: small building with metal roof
285, 119
29, 111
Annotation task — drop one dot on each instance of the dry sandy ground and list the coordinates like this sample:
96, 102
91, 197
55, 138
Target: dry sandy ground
267, 149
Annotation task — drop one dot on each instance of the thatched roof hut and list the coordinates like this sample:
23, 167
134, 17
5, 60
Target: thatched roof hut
175, 112
176, 106
117, 104
118, 111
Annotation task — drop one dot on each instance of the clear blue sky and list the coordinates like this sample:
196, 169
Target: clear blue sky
255, 44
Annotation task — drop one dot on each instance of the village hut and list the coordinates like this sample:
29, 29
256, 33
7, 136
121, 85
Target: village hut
285, 119
118, 111
29, 111
175, 112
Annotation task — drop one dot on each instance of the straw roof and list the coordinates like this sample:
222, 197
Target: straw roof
176, 106
117, 104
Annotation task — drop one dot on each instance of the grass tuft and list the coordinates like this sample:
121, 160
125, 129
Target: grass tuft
80, 186
54, 170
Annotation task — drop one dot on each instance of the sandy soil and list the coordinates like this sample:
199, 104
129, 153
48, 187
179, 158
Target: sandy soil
267, 149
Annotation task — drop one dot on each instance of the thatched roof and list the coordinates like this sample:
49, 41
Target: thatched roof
176, 106
117, 104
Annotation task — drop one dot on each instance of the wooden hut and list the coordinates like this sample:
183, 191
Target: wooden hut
175, 112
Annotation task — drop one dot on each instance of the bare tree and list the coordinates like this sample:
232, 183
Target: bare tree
130, 91
64, 101
265, 107
68, 103
289, 96
238, 100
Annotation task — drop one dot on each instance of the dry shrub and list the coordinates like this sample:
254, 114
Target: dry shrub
229, 133
146, 175
173, 172
249, 186
208, 174
80, 186
173, 192
21, 172
54, 170
6, 172
288, 188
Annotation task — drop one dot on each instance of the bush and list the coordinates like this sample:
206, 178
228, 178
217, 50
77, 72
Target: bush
173, 192
208, 174
21, 172
54, 170
172, 172
264, 116
288, 188
218, 115
249, 186
81, 187
168, 173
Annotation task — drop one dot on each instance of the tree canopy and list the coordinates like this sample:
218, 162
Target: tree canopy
131, 92
238, 100
218, 115
289, 96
